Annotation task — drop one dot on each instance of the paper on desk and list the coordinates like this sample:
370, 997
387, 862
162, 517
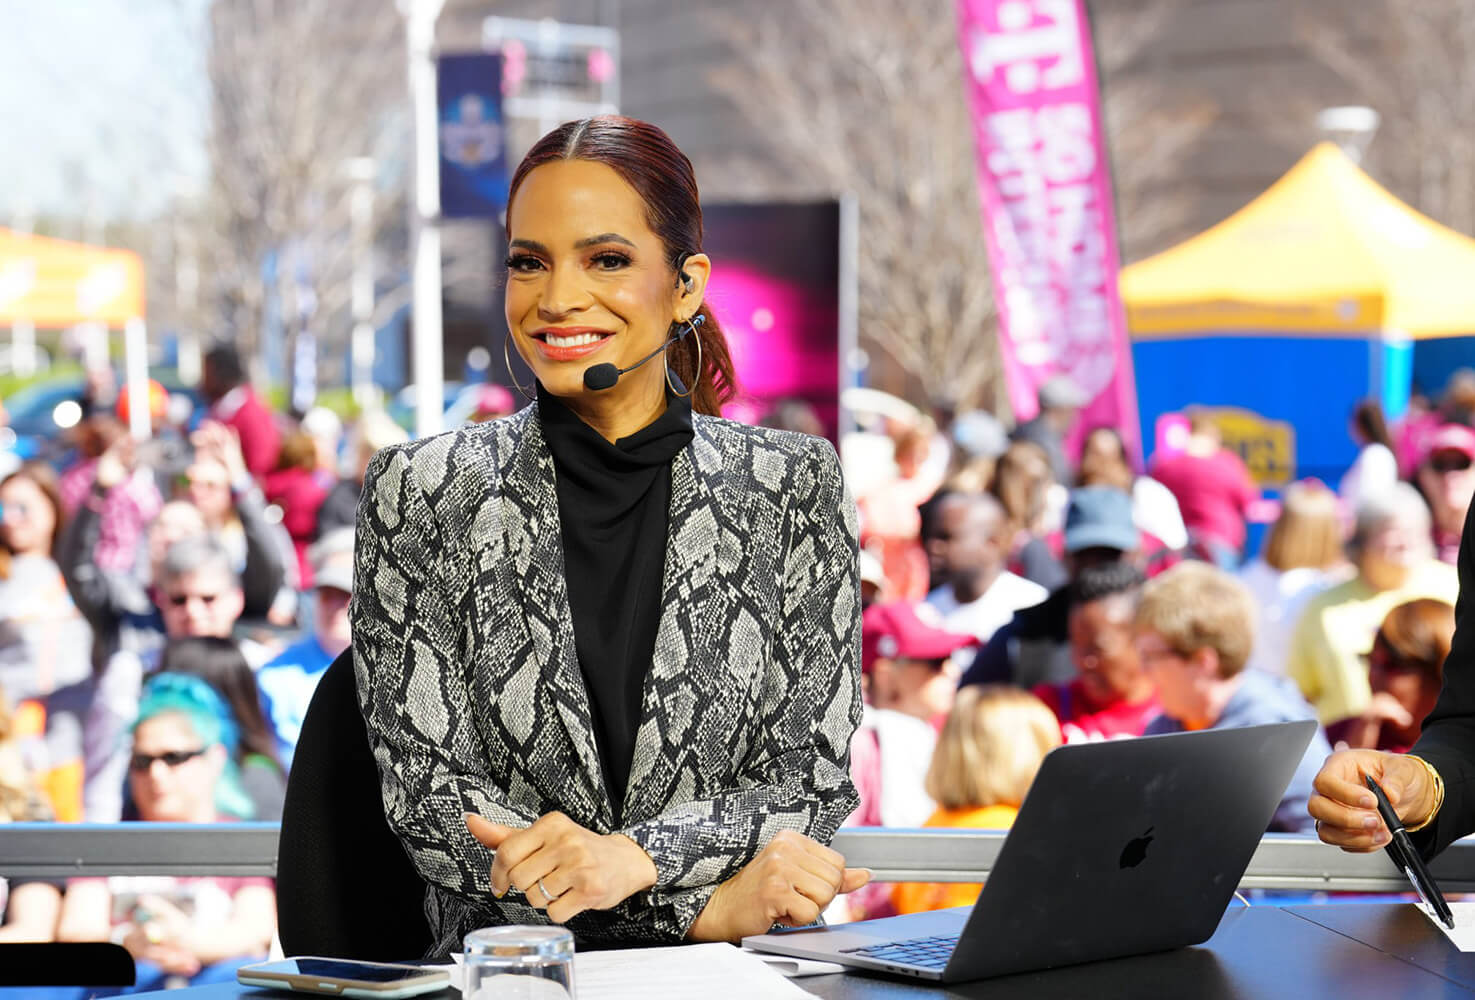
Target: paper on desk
1463, 936
794, 968
691, 970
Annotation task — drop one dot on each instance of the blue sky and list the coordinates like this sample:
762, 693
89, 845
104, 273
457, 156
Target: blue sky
102, 102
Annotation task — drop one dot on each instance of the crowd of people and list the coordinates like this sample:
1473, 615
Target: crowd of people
1119, 603
167, 607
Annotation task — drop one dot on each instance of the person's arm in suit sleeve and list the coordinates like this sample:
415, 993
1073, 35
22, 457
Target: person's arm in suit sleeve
407, 645
796, 777
1448, 738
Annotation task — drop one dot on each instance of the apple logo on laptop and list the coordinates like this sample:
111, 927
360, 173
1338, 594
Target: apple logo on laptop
1136, 850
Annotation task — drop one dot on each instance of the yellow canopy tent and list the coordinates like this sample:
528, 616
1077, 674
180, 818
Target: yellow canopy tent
54, 283
1325, 250
1287, 313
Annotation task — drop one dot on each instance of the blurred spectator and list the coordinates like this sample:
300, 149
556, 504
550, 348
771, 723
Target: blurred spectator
198, 929
890, 524
978, 441
978, 594
259, 781
30, 908
298, 490
99, 389
987, 756
1213, 489
494, 402
1195, 629
1376, 467
108, 480
45, 643
1112, 696
235, 512
1033, 647
1405, 672
235, 403
1395, 563
1060, 402
872, 580
198, 594
1457, 405
288, 682
375, 431
1447, 480
1104, 462
9, 460
1302, 556
1031, 499
326, 431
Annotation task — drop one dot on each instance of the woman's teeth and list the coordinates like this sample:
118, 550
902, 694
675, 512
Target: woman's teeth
577, 340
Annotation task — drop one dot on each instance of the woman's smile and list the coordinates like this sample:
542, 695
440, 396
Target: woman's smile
569, 343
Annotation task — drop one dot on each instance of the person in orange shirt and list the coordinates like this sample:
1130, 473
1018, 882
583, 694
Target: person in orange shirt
991, 746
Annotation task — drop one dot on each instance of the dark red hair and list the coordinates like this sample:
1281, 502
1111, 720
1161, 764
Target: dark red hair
647, 160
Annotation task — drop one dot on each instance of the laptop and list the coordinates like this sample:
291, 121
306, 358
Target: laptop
1121, 848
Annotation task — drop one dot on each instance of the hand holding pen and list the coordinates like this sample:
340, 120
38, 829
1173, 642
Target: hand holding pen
1346, 812
1402, 851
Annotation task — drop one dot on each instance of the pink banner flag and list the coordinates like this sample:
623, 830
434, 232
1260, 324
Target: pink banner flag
1045, 187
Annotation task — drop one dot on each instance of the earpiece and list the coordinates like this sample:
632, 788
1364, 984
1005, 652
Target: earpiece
688, 281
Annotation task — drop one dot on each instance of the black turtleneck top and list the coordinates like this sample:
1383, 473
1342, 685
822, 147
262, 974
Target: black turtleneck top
614, 501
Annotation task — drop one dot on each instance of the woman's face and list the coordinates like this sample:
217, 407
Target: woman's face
1448, 480
27, 520
1415, 690
587, 280
1102, 446
208, 487
172, 773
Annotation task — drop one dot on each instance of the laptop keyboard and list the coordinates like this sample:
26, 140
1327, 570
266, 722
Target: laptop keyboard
927, 952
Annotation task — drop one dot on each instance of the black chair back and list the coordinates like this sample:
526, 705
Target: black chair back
345, 887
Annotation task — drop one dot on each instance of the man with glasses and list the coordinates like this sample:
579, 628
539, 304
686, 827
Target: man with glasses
1194, 628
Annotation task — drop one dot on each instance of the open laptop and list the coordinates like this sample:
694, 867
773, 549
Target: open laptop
1121, 848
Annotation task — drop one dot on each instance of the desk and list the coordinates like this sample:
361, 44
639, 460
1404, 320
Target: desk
1339, 952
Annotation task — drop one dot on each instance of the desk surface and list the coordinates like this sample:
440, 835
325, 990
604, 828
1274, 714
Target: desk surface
1339, 952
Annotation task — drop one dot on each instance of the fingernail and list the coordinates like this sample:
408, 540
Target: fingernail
1369, 822
1380, 838
1368, 802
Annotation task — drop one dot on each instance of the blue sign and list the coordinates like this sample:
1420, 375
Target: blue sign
473, 157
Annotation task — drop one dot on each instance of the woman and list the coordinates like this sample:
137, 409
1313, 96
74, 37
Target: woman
1405, 670
45, 643
297, 487
1035, 503
197, 929
990, 748
30, 907
1375, 469
620, 632
1446, 478
257, 785
1154, 508
1302, 556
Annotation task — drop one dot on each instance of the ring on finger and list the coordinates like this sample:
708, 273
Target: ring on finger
547, 896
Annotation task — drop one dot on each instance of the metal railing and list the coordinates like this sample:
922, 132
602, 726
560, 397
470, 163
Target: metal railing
1282, 861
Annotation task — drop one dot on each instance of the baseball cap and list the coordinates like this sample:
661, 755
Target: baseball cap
1100, 517
871, 570
896, 631
332, 560
1450, 437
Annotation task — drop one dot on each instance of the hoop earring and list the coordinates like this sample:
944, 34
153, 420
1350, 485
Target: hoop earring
698, 374
507, 360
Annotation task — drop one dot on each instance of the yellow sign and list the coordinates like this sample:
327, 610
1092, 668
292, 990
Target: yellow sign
1268, 447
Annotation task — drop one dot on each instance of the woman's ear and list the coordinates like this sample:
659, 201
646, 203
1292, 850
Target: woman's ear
691, 285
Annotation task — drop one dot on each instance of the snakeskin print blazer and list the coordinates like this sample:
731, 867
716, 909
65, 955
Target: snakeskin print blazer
469, 684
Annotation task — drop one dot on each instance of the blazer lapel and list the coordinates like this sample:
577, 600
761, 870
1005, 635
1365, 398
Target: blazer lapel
685, 664
535, 548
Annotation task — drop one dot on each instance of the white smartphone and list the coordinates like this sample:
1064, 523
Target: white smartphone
343, 977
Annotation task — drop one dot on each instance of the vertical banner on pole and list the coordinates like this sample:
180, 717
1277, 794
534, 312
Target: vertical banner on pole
473, 161
1045, 187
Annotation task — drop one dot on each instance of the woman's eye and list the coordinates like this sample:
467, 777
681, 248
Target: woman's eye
523, 262
610, 261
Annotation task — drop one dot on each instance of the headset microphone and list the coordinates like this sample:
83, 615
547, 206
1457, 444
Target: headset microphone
604, 376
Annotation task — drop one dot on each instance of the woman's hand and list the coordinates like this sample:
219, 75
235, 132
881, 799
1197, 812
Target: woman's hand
160, 934
790, 882
563, 868
1345, 811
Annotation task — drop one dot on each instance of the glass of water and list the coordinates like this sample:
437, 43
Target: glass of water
519, 963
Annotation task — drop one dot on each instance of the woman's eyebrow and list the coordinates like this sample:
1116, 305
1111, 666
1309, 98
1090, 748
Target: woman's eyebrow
602, 238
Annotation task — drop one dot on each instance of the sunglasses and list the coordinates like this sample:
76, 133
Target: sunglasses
1456, 462
180, 600
142, 763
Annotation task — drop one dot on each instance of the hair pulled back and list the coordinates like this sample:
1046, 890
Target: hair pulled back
647, 160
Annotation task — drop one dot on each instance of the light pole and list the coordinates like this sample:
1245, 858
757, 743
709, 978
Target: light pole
361, 171
429, 350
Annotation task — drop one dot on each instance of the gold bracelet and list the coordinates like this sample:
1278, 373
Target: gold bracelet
1438, 795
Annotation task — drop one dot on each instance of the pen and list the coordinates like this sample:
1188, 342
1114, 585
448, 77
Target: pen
1408, 859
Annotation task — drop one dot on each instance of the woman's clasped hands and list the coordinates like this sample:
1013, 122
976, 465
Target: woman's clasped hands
565, 869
